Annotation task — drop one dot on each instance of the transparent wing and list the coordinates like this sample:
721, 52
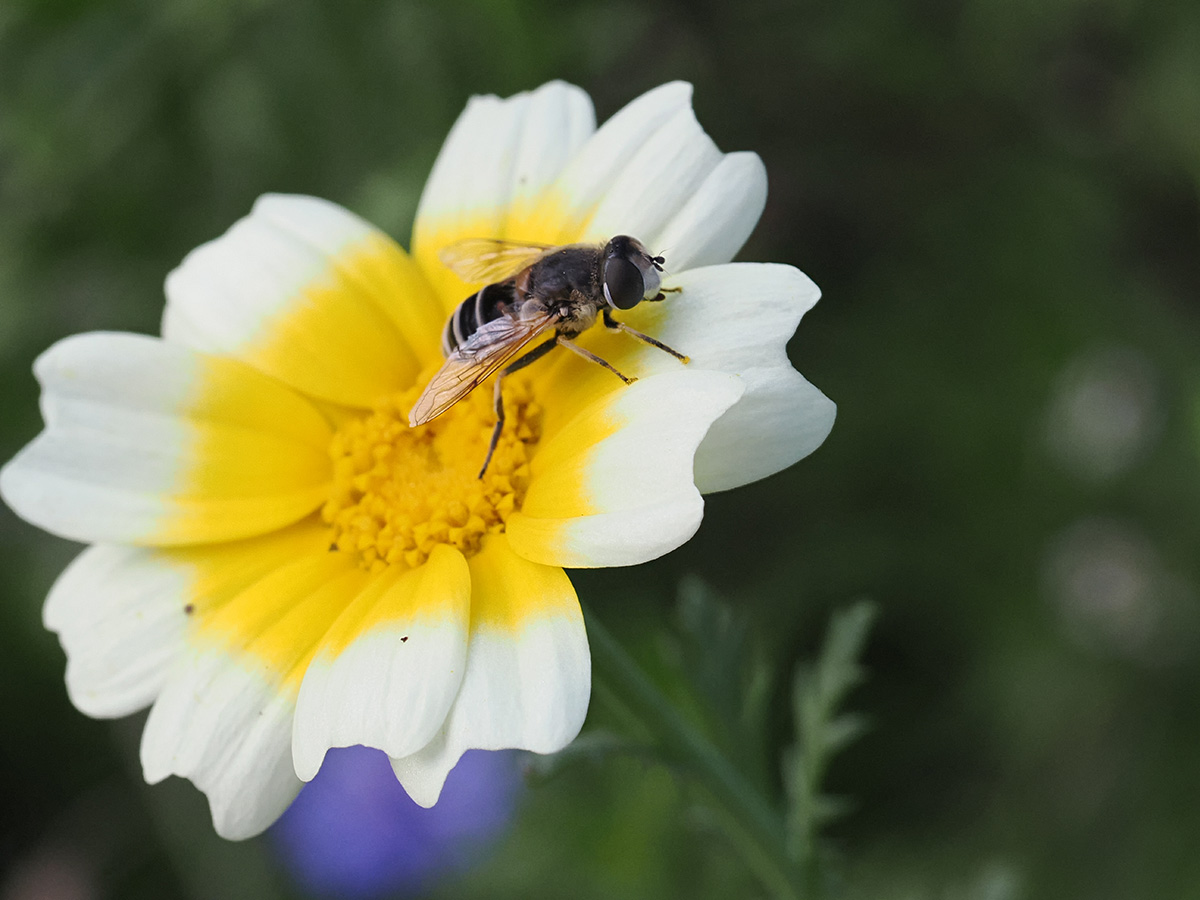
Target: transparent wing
489, 260
489, 348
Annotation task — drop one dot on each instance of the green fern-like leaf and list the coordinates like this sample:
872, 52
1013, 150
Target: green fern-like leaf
822, 730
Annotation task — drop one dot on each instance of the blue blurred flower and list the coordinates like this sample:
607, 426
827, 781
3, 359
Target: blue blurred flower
353, 832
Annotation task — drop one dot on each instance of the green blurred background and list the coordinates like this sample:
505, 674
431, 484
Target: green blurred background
999, 200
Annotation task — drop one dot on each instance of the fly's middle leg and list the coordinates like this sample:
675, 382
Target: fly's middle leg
498, 399
592, 357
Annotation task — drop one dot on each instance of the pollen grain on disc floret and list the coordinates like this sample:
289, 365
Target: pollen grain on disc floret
400, 491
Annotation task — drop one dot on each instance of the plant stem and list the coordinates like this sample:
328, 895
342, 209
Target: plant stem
756, 827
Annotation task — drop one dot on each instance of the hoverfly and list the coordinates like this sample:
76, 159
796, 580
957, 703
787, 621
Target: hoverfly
534, 291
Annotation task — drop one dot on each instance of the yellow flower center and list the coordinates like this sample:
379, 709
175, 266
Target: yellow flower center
400, 491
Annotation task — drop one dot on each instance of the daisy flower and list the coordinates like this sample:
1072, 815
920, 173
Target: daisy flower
280, 565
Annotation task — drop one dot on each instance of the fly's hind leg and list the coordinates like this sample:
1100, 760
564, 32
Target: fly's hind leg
613, 325
498, 400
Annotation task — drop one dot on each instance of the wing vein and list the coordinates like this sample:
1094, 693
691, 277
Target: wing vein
472, 363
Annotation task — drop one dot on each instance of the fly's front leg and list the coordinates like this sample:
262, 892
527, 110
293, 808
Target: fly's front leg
662, 294
498, 399
613, 325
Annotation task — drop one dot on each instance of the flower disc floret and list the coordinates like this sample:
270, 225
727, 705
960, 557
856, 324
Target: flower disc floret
398, 491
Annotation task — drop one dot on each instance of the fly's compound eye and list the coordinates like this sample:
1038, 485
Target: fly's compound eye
624, 287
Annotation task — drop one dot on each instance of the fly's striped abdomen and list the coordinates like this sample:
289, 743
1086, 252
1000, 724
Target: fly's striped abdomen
490, 302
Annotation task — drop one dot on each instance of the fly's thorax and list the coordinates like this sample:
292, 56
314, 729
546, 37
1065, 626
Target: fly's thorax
558, 275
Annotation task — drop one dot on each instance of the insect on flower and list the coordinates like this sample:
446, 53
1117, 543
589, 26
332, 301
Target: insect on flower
213, 467
534, 289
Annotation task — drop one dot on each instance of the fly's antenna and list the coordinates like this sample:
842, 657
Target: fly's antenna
663, 255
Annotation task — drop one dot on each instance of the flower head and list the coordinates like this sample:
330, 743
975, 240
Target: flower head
281, 565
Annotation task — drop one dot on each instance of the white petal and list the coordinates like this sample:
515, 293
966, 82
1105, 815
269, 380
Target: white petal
657, 182
309, 293
424, 773
149, 442
471, 181
729, 317
606, 155
224, 717
737, 319
232, 728
102, 493
489, 178
614, 486
122, 613
779, 420
557, 120
501, 152
119, 613
390, 667
528, 675
718, 218
89, 378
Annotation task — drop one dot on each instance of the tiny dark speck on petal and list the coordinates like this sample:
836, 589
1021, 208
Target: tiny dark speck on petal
190, 608
333, 548
403, 639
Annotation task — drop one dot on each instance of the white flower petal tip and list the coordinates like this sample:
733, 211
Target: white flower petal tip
424, 774
657, 182
615, 486
804, 418
587, 177
781, 418
119, 613
558, 118
224, 717
390, 666
717, 219
501, 152
737, 318
528, 676
151, 443
227, 730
